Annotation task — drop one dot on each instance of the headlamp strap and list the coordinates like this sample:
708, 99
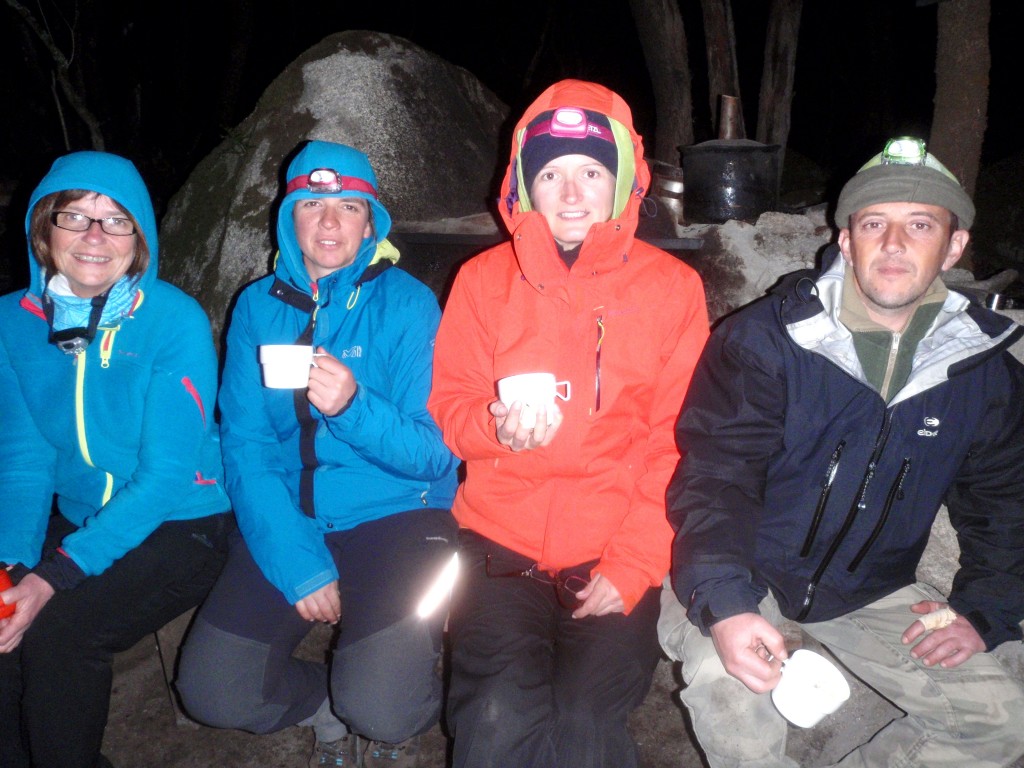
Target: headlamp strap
569, 123
71, 341
329, 182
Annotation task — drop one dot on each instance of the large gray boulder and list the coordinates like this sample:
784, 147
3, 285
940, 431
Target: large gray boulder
430, 129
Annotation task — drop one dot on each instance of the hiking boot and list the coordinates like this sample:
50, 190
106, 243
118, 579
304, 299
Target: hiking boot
380, 754
335, 754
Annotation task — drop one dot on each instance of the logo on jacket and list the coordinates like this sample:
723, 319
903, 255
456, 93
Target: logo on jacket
356, 351
931, 425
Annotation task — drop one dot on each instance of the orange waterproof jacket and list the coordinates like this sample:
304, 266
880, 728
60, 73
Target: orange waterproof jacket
624, 325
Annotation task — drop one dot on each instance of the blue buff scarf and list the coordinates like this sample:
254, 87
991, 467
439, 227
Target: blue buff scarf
71, 311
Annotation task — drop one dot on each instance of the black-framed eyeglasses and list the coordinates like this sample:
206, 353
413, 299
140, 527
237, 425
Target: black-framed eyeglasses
79, 222
566, 585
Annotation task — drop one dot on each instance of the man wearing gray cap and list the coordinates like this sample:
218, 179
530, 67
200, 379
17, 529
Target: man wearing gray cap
824, 427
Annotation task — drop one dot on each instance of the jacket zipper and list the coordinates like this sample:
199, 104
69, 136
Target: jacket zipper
826, 490
890, 365
859, 504
895, 492
83, 441
597, 364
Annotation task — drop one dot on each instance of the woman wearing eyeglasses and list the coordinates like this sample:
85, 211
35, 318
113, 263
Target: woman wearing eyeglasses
564, 541
342, 489
107, 386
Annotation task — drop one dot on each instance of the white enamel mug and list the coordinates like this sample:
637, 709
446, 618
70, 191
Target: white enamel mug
286, 366
811, 687
533, 390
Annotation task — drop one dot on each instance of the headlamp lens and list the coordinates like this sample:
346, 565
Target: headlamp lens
904, 150
324, 180
569, 122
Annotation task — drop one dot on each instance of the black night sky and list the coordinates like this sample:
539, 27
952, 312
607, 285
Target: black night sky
156, 72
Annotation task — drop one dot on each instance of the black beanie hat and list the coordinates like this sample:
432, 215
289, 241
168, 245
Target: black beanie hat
540, 147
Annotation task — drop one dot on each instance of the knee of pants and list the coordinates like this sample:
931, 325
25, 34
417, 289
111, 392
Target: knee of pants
1002, 718
387, 686
220, 679
51, 637
601, 695
672, 624
731, 721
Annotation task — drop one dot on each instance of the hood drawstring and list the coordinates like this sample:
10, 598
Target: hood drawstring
353, 297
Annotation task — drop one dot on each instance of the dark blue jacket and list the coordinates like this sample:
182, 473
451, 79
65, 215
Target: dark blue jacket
799, 478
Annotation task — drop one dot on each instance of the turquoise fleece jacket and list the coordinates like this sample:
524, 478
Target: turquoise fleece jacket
293, 481
123, 432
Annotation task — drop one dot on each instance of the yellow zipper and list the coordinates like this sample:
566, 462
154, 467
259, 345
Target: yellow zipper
106, 345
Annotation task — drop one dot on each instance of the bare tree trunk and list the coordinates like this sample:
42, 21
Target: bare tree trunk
962, 63
659, 25
242, 32
773, 110
62, 77
723, 74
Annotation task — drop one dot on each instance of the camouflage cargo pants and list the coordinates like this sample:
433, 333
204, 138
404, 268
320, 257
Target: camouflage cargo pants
972, 715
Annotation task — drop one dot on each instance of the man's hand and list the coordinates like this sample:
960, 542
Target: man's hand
751, 649
948, 646
323, 605
515, 435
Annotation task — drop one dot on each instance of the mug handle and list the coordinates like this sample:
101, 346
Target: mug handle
568, 390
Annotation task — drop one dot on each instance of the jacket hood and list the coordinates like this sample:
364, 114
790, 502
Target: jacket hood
633, 177
110, 175
354, 165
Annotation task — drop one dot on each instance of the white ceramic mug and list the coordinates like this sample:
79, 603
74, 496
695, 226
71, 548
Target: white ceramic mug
286, 366
533, 390
811, 687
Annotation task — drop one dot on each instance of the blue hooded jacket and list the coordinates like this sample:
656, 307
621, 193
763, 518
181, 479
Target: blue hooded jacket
293, 473
123, 431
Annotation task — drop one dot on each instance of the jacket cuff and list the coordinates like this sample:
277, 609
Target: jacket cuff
707, 609
631, 583
17, 571
992, 635
60, 571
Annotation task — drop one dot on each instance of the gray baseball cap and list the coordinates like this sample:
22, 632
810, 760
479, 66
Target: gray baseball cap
904, 173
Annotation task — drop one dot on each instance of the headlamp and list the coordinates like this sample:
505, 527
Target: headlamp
908, 150
904, 150
327, 181
569, 123
71, 341
74, 341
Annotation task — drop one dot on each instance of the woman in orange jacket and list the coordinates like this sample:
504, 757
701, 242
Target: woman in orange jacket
564, 541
